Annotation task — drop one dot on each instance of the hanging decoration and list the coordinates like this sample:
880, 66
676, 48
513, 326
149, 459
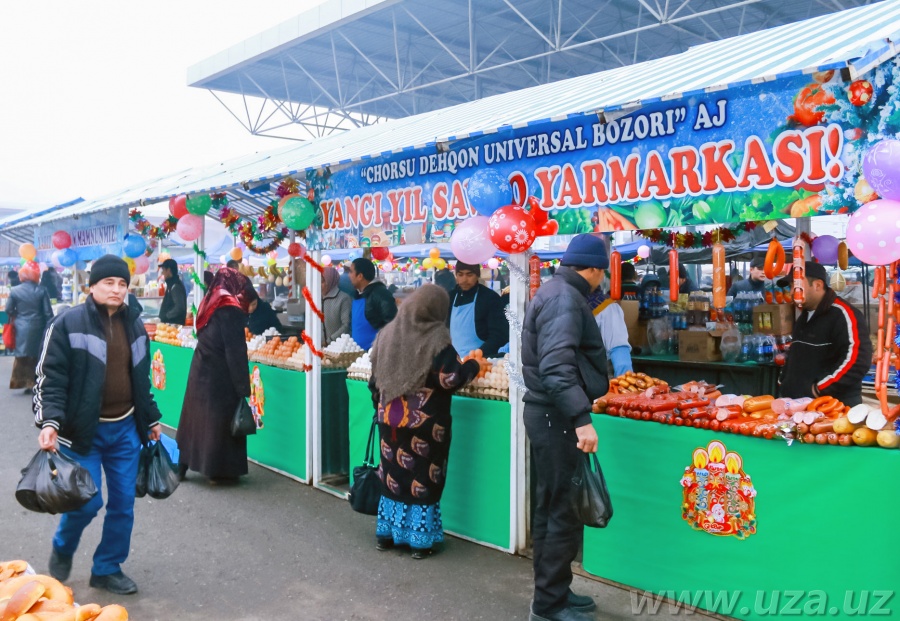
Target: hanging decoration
61, 240
178, 206
512, 229
199, 205
200, 253
309, 343
697, 240
251, 232
147, 230
521, 275
199, 282
316, 266
307, 295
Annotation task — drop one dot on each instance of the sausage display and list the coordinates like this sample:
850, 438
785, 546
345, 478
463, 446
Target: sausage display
774, 260
615, 275
673, 275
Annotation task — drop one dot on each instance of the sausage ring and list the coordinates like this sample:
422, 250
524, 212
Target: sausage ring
774, 259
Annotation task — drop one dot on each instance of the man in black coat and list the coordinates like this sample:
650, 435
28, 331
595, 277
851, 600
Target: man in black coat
830, 347
173, 309
374, 306
476, 318
92, 402
757, 281
564, 366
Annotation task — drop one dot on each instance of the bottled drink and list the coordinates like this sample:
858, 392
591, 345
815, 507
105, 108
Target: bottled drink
760, 349
746, 349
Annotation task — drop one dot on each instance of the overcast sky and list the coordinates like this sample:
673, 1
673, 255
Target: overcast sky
93, 94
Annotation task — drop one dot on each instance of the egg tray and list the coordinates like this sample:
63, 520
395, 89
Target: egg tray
341, 361
479, 393
362, 377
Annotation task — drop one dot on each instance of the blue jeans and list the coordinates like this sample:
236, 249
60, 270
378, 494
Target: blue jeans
116, 448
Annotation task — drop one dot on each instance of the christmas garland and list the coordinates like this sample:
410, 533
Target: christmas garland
316, 266
250, 232
198, 281
309, 343
312, 305
695, 240
145, 229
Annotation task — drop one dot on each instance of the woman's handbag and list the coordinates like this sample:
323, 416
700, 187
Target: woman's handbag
9, 335
243, 423
366, 491
590, 498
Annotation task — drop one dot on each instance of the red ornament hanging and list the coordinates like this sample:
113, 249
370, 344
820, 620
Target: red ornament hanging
860, 92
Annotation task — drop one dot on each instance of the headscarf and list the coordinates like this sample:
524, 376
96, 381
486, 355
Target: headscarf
208, 277
405, 349
30, 273
229, 288
330, 279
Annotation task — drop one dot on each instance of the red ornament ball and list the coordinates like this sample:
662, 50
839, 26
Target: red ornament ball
295, 250
512, 229
860, 92
381, 253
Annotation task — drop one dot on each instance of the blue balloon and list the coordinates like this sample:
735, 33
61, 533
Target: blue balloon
67, 257
134, 246
488, 191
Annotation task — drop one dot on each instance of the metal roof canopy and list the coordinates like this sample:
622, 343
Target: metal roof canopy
348, 63
855, 41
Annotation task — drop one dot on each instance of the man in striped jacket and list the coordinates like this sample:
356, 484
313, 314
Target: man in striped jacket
830, 349
92, 401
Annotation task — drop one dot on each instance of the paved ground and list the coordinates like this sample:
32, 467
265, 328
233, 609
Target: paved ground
270, 549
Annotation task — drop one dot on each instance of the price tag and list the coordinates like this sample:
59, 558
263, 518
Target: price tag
770, 226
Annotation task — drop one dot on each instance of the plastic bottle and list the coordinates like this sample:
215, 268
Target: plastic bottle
746, 349
760, 342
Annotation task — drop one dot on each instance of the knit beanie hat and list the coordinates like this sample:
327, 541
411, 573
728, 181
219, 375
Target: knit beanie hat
468, 267
586, 250
109, 266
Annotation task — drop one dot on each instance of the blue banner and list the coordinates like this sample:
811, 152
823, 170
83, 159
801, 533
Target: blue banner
93, 235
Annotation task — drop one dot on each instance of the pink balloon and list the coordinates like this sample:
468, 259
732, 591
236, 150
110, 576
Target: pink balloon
493, 263
471, 242
873, 232
141, 264
189, 227
643, 251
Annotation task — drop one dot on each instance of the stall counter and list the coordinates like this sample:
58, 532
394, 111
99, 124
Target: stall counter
823, 521
740, 378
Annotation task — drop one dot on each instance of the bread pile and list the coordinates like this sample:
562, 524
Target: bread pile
26, 597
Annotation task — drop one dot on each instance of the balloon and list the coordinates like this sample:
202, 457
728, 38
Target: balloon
381, 253
30, 271
428, 263
223, 259
387, 266
271, 261
236, 253
67, 257
488, 190
512, 229
141, 264
439, 263
164, 256
27, 251
326, 260
470, 242
131, 265
873, 232
134, 246
54, 259
178, 206
295, 250
199, 205
825, 249
189, 227
85, 254
643, 251
881, 168
61, 240
272, 255
297, 212
493, 263
435, 253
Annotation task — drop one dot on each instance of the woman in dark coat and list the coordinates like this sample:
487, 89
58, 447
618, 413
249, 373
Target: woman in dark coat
415, 372
29, 309
219, 378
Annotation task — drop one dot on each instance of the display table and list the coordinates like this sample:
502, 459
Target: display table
739, 378
476, 502
824, 516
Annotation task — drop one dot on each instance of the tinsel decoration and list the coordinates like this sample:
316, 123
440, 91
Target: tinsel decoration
251, 232
787, 431
695, 240
288, 186
309, 343
307, 295
198, 281
520, 274
147, 230
513, 320
515, 377
316, 266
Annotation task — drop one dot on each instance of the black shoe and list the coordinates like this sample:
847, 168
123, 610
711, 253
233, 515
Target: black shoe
420, 553
182, 472
581, 603
117, 583
383, 545
566, 614
60, 566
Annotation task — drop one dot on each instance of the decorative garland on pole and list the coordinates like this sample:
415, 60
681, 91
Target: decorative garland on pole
251, 232
307, 295
145, 229
696, 240
309, 343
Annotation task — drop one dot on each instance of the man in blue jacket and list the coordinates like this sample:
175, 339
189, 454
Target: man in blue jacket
92, 401
564, 366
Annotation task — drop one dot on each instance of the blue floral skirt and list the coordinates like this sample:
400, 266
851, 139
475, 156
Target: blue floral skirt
418, 526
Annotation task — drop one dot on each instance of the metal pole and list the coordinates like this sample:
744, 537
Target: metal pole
520, 466
198, 264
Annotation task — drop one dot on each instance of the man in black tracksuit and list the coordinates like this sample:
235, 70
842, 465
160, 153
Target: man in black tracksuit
564, 366
830, 349
476, 318
173, 309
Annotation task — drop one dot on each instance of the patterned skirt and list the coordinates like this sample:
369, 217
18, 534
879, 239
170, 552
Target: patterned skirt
418, 526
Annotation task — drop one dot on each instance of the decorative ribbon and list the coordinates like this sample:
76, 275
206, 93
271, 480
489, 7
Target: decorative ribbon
307, 295
198, 281
316, 266
309, 343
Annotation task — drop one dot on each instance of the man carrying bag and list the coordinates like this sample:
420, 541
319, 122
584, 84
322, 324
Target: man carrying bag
92, 397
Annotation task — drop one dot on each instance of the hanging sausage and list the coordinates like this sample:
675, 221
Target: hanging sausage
774, 260
718, 261
673, 275
615, 275
799, 267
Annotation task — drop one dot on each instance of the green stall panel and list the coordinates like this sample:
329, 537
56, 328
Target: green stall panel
176, 362
281, 443
823, 524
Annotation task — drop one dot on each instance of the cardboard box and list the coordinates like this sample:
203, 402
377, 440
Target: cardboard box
637, 330
699, 346
774, 319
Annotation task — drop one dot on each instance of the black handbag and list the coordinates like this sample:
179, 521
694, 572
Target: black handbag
590, 497
365, 494
53, 483
243, 423
157, 475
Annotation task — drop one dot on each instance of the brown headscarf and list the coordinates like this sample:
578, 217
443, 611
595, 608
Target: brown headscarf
330, 279
405, 349
229, 288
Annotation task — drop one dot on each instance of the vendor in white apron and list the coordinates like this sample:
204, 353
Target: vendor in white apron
476, 315
611, 320
374, 306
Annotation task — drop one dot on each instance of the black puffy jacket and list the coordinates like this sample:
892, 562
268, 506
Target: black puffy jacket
563, 358
71, 373
173, 309
381, 307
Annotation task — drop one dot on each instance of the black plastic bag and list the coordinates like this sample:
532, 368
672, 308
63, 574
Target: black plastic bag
157, 475
53, 483
243, 423
365, 494
590, 498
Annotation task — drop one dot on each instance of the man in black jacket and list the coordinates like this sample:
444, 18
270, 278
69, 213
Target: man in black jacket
564, 366
830, 347
374, 306
476, 318
174, 305
92, 402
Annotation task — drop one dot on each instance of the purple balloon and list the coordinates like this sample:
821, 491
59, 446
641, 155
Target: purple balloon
881, 168
825, 249
471, 243
873, 232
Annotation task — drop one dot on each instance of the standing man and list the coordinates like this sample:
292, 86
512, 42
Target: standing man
830, 350
564, 365
174, 305
476, 318
373, 308
630, 282
92, 401
757, 281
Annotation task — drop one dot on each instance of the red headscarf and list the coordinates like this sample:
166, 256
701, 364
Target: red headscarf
229, 288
